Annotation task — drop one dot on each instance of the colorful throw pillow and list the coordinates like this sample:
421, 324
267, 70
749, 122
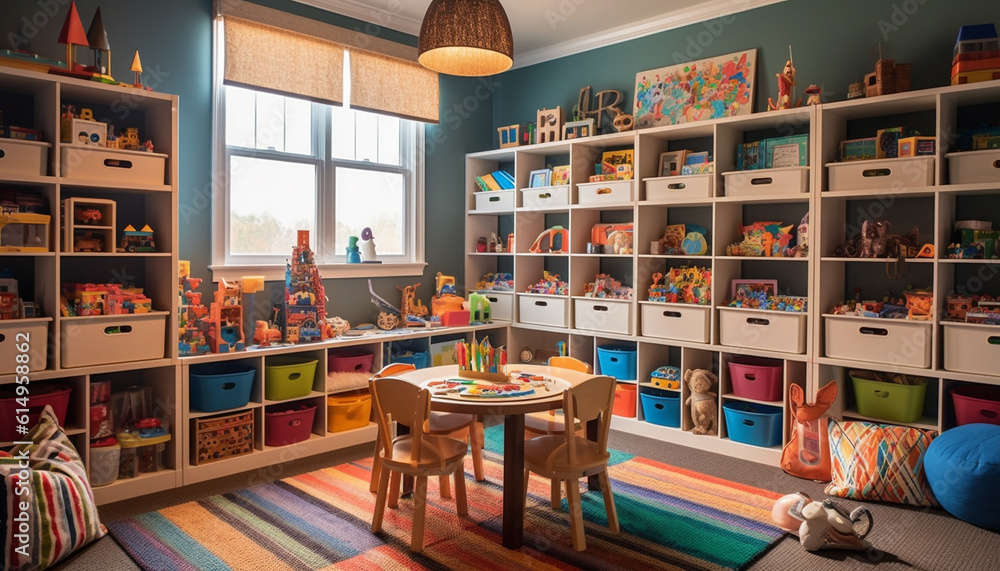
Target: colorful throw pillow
879, 462
61, 516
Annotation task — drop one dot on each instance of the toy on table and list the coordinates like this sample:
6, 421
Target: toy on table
823, 525
305, 296
704, 413
786, 87
807, 453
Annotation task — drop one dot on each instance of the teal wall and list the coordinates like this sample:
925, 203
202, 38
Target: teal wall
834, 44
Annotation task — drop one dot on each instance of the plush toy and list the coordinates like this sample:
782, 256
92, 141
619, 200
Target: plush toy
704, 411
822, 525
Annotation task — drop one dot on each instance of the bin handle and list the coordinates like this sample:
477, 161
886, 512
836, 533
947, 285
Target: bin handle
750, 376
992, 340
676, 186
996, 164
118, 163
228, 386
658, 406
294, 376
988, 413
761, 180
2, 153
295, 422
747, 422
867, 173
545, 195
600, 308
874, 331
493, 199
881, 394
758, 321
117, 329
671, 314
542, 303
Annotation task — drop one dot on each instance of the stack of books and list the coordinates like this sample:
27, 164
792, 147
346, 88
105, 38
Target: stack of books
496, 180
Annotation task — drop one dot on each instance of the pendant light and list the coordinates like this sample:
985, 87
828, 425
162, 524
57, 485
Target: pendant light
466, 37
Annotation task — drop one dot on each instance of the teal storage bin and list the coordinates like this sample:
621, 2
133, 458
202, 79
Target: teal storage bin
220, 386
661, 407
419, 360
617, 361
752, 423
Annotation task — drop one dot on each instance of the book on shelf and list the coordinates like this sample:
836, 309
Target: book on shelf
491, 182
482, 184
504, 179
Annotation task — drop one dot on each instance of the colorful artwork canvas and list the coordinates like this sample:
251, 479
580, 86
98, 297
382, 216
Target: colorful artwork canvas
715, 87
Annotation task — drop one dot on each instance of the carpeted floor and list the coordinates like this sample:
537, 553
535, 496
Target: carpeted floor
903, 537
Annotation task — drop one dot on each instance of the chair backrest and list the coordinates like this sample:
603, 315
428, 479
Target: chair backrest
393, 369
401, 401
570, 363
589, 400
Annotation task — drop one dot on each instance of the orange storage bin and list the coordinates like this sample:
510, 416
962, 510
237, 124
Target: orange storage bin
625, 395
348, 411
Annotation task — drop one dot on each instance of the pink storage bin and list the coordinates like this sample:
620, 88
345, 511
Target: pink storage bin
976, 403
288, 425
756, 378
348, 362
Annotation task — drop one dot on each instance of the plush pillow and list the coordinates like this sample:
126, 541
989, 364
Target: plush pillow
879, 462
61, 516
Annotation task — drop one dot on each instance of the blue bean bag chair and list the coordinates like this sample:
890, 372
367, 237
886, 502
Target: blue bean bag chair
963, 468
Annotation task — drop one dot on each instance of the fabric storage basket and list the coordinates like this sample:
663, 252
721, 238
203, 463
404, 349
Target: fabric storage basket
54, 394
617, 361
288, 425
349, 362
222, 437
976, 403
288, 377
661, 407
752, 423
624, 400
888, 401
756, 378
220, 386
349, 411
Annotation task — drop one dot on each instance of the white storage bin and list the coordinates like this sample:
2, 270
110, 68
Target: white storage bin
14, 334
501, 304
887, 341
104, 464
604, 193
495, 200
667, 188
680, 321
103, 339
972, 348
19, 157
886, 174
545, 197
767, 182
606, 315
113, 165
780, 331
541, 309
974, 166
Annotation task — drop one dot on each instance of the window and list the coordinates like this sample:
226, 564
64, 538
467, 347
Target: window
291, 165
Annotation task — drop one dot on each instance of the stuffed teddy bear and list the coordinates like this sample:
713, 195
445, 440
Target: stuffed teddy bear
704, 411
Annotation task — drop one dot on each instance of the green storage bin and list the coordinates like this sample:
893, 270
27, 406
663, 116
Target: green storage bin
288, 378
889, 401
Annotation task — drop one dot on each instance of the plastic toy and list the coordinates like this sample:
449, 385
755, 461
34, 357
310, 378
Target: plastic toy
192, 316
604, 286
305, 297
226, 319
138, 240
823, 525
87, 215
72, 35
479, 309
976, 56
264, 334
704, 413
367, 246
807, 453
550, 284
136, 67
554, 240
88, 242
353, 253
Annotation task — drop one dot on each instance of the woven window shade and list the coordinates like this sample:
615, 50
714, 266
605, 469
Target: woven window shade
389, 85
272, 59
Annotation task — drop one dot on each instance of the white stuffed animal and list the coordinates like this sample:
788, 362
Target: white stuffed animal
822, 525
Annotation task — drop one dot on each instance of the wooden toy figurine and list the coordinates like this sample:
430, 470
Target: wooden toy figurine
786, 87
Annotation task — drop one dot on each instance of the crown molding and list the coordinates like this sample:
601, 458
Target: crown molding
702, 12
360, 11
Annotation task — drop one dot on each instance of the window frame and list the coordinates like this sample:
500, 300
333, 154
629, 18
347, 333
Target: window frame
226, 266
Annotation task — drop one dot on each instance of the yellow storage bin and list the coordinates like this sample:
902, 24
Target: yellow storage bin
348, 411
288, 378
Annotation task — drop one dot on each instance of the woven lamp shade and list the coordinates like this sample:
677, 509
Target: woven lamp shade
466, 37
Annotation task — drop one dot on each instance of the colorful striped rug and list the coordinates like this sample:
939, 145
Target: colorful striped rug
670, 519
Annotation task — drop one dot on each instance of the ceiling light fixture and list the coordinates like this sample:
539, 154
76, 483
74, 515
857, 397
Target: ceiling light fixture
466, 37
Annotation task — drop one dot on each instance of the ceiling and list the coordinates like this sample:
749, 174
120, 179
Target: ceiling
550, 29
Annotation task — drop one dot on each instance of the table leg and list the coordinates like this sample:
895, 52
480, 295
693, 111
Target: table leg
513, 480
593, 483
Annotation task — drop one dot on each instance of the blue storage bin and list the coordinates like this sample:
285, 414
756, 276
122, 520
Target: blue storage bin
220, 386
617, 361
661, 407
419, 360
752, 423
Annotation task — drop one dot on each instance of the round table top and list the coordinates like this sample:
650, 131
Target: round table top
496, 406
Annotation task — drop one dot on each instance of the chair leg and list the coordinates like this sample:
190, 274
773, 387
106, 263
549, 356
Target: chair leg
419, 511
383, 484
461, 503
575, 514
477, 439
556, 497
527, 475
445, 487
376, 464
609, 501
394, 483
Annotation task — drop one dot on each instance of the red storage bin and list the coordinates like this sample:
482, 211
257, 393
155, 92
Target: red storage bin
41, 394
976, 403
756, 378
288, 425
348, 362
625, 399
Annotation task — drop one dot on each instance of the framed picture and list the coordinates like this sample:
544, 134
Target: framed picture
671, 162
754, 289
560, 175
578, 129
711, 88
541, 177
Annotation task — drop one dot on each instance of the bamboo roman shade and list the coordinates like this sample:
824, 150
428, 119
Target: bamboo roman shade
283, 53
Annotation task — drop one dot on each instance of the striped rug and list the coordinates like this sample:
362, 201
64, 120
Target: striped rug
670, 519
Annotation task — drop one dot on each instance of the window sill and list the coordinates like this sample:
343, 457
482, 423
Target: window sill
327, 271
